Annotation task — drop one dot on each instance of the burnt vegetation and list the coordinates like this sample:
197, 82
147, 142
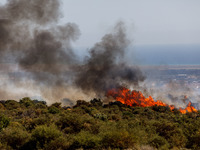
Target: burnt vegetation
31, 124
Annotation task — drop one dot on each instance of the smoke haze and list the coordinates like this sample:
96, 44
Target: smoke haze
40, 51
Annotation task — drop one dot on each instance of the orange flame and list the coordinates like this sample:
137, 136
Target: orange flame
189, 108
136, 98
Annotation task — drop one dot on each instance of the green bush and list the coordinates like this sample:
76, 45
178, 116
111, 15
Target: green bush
81, 102
195, 140
101, 116
159, 142
171, 133
96, 102
2, 106
40, 105
161, 108
74, 123
53, 110
4, 122
14, 137
43, 135
30, 124
26, 101
11, 104
4, 146
89, 125
127, 115
60, 143
86, 140
117, 139
57, 105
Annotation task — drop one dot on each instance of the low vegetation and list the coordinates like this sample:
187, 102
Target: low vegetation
31, 124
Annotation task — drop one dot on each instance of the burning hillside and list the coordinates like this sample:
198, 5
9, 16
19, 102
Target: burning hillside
136, 98
46, 64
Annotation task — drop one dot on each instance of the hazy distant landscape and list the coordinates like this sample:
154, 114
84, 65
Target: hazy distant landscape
160, 82
171, 83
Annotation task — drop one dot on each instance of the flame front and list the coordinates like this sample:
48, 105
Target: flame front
136, 98
189, 108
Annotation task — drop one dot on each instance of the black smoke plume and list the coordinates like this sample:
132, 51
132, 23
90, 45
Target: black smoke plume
105, 67
31, 39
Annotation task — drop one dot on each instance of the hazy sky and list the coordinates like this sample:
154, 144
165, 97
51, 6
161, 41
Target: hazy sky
149, 22
152, 22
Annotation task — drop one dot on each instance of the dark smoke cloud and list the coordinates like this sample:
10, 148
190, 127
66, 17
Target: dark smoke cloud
37, 11
105, 69
31, 38
41, 50
18, 16
50, 54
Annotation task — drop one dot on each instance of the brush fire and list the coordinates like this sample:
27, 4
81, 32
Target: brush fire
44, 56
136, 98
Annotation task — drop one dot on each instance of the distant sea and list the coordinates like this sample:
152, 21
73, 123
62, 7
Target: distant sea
164, 55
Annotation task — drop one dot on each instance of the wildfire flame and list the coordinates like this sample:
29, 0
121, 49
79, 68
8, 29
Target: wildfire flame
189, 108
136, 98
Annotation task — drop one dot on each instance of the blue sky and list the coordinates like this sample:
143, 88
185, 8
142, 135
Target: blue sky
149, 22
